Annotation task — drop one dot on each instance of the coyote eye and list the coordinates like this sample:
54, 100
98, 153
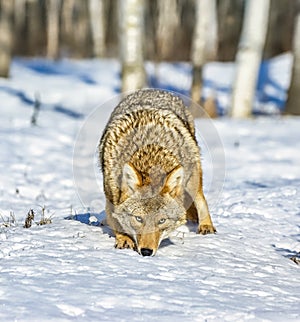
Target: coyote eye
139, 219
162, 221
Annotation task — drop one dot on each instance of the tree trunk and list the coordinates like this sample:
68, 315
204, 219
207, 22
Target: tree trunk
249, 56
168, 22
6, 37
35, 35
280, 30
131, 21
230, 19
67, 17
53, 10
293, 103
20, 14
98, 26
20, 25
81, 33
67, 26
204, 43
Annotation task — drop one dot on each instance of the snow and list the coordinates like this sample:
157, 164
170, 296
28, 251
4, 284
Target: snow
69, 270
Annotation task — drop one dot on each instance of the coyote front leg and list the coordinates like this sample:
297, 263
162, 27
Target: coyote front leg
124, 241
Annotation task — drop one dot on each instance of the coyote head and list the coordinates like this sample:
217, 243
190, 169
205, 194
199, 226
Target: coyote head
148, 212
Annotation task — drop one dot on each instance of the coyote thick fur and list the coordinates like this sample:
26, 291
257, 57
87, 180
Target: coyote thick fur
151, 171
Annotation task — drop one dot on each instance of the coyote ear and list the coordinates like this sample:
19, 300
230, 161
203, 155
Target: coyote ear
174, 181
131, 178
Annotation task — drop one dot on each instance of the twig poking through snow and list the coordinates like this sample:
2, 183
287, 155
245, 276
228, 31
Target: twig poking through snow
44, 220
8, 222
36, 109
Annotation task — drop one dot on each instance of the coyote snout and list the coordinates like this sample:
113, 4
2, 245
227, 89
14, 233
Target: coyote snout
148, 243
152, 171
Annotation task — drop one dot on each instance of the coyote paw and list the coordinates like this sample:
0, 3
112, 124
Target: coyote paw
206, 229
123, 242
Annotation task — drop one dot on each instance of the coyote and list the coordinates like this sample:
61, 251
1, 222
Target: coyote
152, 173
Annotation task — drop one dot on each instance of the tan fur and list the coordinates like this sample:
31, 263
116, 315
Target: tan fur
151, 170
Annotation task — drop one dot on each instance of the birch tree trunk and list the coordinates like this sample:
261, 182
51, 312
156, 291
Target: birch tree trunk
131, 21
168, 22
249, 56
293, 103
98, 26
53, 10
204, 43
6, 37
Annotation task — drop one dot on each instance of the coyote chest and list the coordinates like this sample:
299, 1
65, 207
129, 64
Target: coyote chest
151, 170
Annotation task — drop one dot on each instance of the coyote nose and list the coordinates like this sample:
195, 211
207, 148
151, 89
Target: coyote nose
146, 251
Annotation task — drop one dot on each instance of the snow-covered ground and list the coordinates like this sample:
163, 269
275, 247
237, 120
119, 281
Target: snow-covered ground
69, 270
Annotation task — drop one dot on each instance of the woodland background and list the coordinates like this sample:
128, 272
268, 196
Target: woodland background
164, 30
29, 28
